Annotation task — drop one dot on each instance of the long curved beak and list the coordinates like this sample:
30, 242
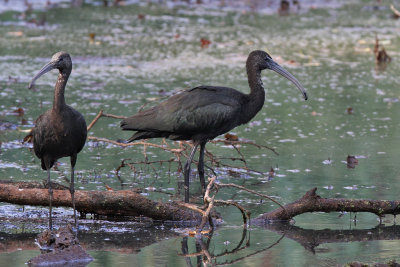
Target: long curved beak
46, 68
282, 71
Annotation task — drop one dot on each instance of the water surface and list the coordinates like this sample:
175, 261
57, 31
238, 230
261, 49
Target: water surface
133, 62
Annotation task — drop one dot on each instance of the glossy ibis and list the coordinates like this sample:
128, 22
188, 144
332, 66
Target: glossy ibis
60, 131
202, 113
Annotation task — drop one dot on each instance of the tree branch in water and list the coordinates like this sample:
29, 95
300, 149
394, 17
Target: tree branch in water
311, 202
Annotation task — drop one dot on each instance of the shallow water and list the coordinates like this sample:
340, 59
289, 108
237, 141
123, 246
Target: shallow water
134, 62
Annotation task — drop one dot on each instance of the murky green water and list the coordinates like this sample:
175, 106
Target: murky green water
133, 62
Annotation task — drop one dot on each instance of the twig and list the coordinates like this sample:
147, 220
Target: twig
230, 142
98, 116
209, 202
253, 192
100, 139
245, 213
102, 114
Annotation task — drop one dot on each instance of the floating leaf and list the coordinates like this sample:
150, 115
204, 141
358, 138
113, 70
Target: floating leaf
351, 162
349, 110
18, 112
204, 42
271, 173
231, 137
92, 36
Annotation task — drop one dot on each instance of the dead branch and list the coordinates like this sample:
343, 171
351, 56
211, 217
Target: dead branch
99, 139
102, 114
178, 152
311, 202
245, 213
242, 142
209, 204
108, 203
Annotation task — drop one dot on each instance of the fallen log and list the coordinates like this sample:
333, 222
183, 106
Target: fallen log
311, 202
108, 203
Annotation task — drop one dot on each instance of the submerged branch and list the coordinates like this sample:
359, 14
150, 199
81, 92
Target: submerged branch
311, 202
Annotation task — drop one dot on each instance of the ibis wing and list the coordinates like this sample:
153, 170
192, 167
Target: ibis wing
65, 138
202, 110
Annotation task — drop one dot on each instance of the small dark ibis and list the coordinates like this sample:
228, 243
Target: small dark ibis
60, 131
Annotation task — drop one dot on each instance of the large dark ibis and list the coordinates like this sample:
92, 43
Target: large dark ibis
202, 113
60, 131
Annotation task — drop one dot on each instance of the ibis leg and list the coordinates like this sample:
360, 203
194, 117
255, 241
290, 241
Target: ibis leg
200, 167
187, 172
50, 199
72, 187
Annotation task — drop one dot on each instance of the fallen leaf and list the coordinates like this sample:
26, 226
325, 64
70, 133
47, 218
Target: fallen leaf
18, 112
350, 110
92, 36
271, 173
231, 137
205, 43
193, 233
351, 162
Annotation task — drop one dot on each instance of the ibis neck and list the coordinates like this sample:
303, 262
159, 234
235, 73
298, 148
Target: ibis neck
59, 100
256, 97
